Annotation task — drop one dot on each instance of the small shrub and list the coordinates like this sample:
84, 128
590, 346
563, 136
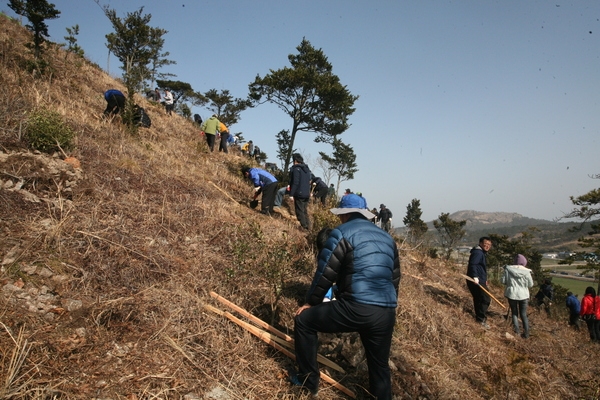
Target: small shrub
46, 131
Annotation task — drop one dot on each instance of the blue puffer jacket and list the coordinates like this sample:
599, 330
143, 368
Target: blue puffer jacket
362, 260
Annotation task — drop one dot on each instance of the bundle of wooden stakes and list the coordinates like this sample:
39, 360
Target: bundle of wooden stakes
274, 337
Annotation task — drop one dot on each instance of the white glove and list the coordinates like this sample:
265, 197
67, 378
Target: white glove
476, 280
256, 189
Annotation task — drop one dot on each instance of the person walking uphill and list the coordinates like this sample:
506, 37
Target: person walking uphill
363, 261
210, 127
300, 188
385, 216
264, 183
477, 269
518, 280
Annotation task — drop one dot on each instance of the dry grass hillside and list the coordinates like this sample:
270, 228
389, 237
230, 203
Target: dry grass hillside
107, 269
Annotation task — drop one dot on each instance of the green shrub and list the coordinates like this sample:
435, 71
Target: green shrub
46, 131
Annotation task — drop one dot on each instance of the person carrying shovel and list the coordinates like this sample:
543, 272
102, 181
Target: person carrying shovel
477, 271
264, 183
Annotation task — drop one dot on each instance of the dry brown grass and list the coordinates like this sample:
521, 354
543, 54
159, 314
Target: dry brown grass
146, 235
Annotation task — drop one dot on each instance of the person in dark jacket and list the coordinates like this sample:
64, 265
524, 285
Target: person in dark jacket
319, 190
545, 295
264, 183
115, 102
385, 217
572, 303
364, 263
477, 269
300, 188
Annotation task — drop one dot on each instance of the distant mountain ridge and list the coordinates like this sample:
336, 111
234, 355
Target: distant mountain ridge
549, 235
477, 220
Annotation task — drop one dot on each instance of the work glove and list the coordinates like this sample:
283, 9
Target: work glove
256, 189
476, 280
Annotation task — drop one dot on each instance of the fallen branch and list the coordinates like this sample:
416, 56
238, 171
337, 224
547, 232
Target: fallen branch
270, 339
273, 330
482, 288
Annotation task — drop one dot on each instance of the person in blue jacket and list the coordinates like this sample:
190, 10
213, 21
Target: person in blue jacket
364, 263
574, 306
477, 269
264, 183
115, 102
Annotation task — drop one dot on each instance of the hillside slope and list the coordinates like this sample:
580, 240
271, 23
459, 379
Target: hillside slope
106, 269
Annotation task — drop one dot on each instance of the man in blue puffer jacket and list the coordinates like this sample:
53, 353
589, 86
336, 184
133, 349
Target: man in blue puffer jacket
363, 261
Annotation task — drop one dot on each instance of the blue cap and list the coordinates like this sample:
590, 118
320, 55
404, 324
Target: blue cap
352, 203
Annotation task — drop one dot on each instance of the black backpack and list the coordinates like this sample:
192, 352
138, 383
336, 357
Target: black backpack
142, 118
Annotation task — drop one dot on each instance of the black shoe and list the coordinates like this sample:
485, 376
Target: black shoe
295, 381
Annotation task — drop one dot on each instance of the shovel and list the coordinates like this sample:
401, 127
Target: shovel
253, 203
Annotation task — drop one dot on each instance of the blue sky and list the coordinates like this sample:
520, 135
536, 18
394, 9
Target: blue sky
464, 105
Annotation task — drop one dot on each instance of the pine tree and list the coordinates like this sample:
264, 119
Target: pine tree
37, 12
416, 226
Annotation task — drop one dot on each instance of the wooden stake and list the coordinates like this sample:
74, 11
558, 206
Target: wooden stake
273, 330
275, 342
482, 288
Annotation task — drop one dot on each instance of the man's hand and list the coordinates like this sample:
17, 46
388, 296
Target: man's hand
476, 280
304, 307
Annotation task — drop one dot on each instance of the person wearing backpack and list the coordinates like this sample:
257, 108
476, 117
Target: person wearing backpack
590, 313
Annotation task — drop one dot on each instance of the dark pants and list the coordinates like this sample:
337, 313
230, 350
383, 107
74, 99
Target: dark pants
574, 320
481, 300
268, 198
223, 142
210, 141
375, 326
115, 104
594, 330
321, 194
300, 206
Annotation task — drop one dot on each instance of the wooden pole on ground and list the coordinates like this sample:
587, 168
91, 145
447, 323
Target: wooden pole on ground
273, 330
275, 342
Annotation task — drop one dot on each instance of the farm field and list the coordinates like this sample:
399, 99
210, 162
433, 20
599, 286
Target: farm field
575, 284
